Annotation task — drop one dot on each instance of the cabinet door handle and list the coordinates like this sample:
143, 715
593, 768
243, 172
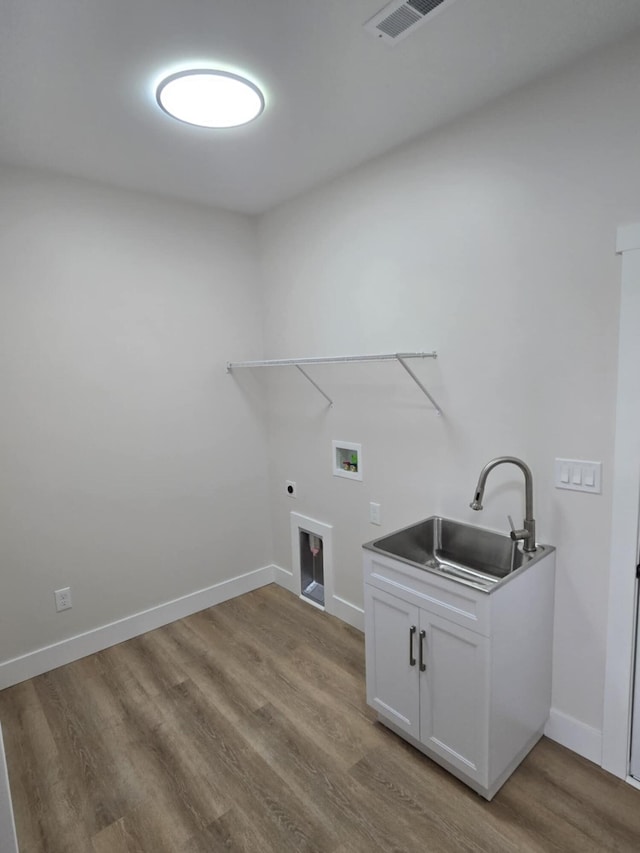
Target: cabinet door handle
423, 665
412, 631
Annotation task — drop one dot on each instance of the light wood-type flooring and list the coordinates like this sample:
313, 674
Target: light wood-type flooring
245, 728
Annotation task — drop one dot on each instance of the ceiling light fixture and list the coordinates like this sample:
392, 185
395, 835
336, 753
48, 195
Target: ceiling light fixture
209, 98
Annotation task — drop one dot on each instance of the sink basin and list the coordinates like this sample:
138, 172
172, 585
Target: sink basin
472, 555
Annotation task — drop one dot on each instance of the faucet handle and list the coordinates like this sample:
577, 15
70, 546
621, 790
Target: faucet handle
517, 535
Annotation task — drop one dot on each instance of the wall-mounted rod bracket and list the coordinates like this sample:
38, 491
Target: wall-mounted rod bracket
419, 384
315, 384
342, 359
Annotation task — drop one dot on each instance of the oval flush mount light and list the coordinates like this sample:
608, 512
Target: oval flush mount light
208, 98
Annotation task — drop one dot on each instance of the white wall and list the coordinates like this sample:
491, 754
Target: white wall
494, 243
129, 460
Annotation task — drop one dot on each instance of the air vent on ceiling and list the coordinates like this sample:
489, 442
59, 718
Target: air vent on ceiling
400, 18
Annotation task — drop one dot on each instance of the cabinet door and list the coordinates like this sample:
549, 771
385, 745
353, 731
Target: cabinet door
454, 694
391, 643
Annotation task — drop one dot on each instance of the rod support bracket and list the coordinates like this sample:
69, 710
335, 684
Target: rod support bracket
344, 359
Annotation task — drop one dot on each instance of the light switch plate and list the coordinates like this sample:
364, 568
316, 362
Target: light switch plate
578, 475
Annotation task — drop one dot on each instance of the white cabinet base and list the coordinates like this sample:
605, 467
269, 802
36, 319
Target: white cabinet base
488, 793
461, 674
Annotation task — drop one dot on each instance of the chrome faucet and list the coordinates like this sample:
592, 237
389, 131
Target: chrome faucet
528, 534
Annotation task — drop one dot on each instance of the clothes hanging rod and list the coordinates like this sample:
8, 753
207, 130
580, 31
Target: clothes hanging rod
337, 359
400, 357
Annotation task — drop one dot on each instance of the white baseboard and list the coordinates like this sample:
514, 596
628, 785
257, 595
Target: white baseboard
47, 658
66, 651
575, 735
284, 578
349, 613
566, 730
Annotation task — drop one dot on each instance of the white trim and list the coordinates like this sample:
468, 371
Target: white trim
624, 527
575, 735
633, 782
284, 578
348, 612
8, 838
340, 608
312, 603
297, 523
66, 651
628, 238
336, 447
50, 657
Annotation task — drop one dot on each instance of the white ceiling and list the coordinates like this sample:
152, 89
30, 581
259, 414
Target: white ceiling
77, 80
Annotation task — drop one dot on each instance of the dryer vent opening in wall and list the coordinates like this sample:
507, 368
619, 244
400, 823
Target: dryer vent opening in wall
400, 18
312, 567
312, 561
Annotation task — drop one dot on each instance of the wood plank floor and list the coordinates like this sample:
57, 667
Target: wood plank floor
245, 728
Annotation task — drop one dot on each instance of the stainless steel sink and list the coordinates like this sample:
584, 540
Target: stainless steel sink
472, 555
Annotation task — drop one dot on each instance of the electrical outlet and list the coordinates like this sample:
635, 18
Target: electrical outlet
291, 487
63, 598
374, 513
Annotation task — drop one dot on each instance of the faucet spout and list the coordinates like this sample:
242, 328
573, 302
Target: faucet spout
528, 533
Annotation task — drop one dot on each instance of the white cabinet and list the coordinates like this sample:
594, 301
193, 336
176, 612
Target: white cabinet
427, 676
393, 686
463, 675
454, 694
